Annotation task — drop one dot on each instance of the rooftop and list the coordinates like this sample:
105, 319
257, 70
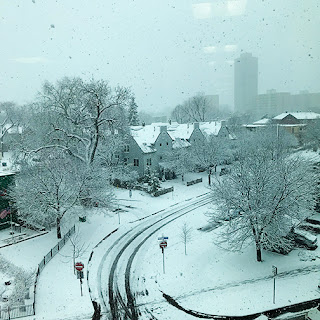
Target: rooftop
299, 115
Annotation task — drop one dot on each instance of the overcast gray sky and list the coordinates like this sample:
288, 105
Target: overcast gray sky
165, 50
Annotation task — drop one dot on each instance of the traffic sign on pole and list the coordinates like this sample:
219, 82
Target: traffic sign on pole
79, 266
163, 244
163, 238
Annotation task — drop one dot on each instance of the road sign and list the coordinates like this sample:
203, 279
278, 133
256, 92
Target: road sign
163, 238
163, 244
80, 274
79, 266
274, 270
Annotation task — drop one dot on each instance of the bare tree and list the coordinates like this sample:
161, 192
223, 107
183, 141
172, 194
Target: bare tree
267, 193
10, 119
79, 248
195, 109
85, 114
185, 235
47, 188
179, 114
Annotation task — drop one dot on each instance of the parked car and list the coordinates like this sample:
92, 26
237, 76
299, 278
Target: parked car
305, 239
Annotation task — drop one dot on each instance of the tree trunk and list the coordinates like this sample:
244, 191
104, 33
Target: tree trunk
58, 228
258, 250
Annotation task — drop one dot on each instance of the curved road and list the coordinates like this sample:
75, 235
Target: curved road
114, 273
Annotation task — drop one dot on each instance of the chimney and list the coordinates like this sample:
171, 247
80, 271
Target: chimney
163, 129
196, 125
223, 123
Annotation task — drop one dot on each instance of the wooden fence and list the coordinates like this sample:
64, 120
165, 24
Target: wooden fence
190, 183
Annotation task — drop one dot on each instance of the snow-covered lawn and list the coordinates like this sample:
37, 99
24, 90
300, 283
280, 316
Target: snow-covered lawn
207, 279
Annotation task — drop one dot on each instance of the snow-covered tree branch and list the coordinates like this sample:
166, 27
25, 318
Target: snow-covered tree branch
267, 192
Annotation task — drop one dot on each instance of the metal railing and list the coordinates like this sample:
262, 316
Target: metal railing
14, 312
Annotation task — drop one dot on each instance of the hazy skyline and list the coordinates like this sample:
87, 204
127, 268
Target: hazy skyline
166, 51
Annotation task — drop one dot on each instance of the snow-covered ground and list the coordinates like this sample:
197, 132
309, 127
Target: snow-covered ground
207, 279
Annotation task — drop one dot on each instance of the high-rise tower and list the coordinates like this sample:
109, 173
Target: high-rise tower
245, 83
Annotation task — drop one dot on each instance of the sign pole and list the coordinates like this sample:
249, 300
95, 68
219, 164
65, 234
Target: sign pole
163, 244
274, 290
275, 272
79, 267
163, 260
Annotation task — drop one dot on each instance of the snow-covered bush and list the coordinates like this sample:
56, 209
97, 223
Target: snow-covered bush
21, 283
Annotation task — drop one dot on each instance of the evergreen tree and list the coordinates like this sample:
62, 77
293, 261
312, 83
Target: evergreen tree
154, 183
133, 113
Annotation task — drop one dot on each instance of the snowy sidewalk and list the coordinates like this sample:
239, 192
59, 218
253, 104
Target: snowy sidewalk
282, 275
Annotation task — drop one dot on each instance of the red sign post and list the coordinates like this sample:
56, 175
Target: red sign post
79, 267
163, 244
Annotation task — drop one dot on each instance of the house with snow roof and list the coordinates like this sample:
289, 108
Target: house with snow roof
293, 122
147, 145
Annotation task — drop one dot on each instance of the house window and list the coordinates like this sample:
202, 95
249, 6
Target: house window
117, 157
160, 157
149, 162
125, 161
160, 144
126, 148
167, 143
136, 162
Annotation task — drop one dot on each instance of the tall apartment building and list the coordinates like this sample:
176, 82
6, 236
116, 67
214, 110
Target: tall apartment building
245, 83
273, 102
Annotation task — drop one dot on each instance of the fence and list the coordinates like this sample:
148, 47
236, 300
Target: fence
14, 312
190, 183
162, 191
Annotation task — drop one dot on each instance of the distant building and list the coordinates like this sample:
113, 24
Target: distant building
306, 101
273, 102
293, 122
245, 83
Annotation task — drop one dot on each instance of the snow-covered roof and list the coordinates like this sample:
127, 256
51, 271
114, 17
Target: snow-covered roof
180, 131
299, 115
180, 143
209, 128
262, 121
145, 136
